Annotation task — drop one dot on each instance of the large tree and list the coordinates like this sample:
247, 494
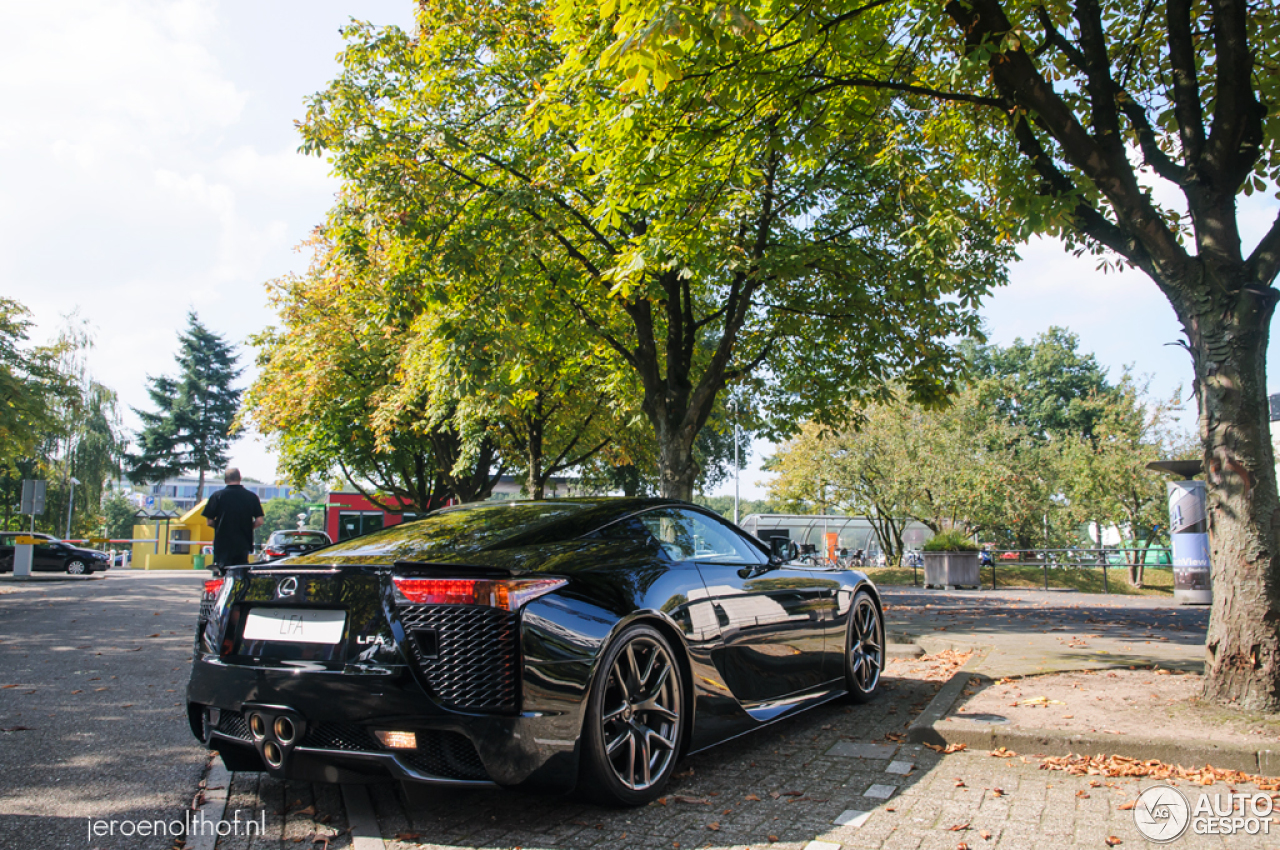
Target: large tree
1104, 474
1131, 129
31, 385
87, 440
328, 393
190, 427
699, 239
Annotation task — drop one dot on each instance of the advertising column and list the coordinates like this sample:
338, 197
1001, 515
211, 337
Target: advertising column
1189, 533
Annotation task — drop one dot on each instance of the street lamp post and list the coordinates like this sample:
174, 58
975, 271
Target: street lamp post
71, 503
737, 471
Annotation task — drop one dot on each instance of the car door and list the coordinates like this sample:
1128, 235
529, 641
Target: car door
771, 619
49, 555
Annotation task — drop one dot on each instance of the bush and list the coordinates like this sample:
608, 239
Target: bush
950, 540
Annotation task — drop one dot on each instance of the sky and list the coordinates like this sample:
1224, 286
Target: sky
149, 168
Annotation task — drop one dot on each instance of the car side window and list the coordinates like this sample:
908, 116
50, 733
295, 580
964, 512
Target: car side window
691, 536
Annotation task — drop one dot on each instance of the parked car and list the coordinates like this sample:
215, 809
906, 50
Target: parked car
587, 642
282, 544
52, 555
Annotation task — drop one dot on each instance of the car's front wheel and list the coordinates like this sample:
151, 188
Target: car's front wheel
864, 657
78, 567
633, 726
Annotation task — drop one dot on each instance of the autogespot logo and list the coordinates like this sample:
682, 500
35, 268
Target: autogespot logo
1162, 813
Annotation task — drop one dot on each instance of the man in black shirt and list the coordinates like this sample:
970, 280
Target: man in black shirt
234, 513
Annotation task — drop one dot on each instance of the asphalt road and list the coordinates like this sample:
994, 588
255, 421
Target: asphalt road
92, 716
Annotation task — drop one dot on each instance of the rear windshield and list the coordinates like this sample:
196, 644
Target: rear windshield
287, 537
446, 534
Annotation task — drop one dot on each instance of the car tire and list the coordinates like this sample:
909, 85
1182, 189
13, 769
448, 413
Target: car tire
864, 648
634, 726
78, 567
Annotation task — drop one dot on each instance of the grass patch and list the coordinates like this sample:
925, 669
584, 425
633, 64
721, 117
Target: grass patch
1158, 581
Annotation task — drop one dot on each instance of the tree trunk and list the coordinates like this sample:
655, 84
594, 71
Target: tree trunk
200, 487
1243, 644
677, 469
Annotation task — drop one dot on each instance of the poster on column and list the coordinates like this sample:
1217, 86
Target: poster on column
1189, 534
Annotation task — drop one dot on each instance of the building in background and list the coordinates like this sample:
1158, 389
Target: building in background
348, 514
182, 491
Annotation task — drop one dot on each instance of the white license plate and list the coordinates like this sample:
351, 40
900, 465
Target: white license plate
294, 625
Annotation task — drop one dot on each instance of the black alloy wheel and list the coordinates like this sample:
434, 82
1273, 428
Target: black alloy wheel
633, 724
77, 567
864, 660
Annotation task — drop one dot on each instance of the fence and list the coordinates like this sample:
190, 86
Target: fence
1152, 556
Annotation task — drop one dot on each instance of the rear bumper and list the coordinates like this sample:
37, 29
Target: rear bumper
339, 713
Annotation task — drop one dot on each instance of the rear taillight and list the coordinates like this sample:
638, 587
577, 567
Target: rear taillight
508, 594
273, 553
211, 588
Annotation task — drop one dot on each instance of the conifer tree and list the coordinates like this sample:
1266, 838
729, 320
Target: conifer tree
190, 428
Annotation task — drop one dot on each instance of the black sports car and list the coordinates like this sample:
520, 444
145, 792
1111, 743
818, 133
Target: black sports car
587, 642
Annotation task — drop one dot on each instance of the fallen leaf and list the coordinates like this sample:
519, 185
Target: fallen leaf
714, 826
959, 782
960, 827
752, 797
681, 798
997, 792
772, 839
1112, 841
986, 834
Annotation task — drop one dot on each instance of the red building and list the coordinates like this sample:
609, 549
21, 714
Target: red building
351, 514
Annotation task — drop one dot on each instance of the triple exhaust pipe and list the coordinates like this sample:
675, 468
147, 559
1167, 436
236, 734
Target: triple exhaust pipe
274, 734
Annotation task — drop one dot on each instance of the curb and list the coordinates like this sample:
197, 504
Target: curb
216, 785
932, 727
922, 730
8, 577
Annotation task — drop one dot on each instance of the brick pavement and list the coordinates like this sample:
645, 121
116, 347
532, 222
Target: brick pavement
807, 779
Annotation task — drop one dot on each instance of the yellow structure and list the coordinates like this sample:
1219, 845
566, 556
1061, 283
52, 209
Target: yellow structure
188, 534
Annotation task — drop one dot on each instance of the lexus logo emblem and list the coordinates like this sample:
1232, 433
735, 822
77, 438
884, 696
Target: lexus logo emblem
287, 587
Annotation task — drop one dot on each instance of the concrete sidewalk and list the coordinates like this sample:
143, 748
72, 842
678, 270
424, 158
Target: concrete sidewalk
1018, 634
1033, 632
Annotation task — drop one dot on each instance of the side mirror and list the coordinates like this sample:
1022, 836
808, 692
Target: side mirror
782, 549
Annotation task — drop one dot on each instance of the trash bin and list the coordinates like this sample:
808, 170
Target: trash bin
197, 561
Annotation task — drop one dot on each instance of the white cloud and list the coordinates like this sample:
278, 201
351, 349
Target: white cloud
149, 167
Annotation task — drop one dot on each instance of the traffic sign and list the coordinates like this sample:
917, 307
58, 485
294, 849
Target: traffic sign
32, 497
